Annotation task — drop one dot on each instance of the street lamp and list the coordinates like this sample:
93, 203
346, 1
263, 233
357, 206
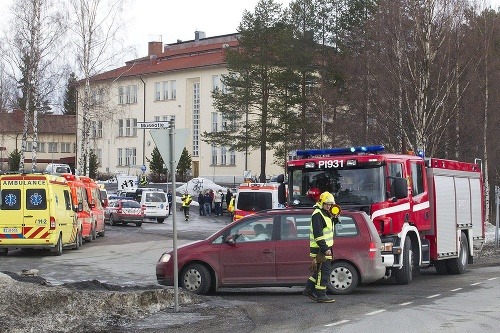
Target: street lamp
129, 154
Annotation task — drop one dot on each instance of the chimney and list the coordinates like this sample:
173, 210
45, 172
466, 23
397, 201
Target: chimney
155, 48
199, 35
153, 60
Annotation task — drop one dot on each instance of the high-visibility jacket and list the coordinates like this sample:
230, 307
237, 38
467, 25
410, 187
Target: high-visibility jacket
186, 200
230, 206
321, 232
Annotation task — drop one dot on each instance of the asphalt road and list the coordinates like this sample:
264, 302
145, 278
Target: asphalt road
127, 255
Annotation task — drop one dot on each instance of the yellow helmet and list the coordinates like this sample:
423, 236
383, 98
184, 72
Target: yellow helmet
326, 198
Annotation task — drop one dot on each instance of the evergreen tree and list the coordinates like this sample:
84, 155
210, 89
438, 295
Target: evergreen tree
70, 95
14, 160
156, 165
93, 165
184, 165
252, 105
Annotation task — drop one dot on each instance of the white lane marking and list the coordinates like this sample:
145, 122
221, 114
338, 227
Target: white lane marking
337, 323
404, 304
432, 296
456, 289
475, 284
493, 278
374, 312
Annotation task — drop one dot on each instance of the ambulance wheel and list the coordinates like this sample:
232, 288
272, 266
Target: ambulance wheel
196, 279
460, 264
93, 234
102, 233
4, 252
404, 275
343, 278
58, 249
160, 219
77, 241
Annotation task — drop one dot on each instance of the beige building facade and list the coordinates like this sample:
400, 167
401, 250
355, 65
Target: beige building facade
174, 81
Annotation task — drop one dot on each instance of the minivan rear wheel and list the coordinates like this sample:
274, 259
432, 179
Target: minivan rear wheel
343, 278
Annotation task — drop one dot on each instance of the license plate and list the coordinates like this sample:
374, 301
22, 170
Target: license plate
11, 231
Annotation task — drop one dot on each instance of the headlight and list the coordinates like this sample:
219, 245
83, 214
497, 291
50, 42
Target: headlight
165, 257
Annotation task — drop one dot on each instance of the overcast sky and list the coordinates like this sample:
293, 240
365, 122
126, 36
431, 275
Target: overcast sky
169, 20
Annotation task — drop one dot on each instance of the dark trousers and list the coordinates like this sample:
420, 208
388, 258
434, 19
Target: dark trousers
319, 280
186, 211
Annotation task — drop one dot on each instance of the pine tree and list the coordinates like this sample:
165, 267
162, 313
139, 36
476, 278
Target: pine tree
184, 165
156, 165
70, 95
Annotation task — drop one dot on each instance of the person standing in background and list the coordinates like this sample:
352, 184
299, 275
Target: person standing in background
218, 203
208, 204
169, 199
201, 202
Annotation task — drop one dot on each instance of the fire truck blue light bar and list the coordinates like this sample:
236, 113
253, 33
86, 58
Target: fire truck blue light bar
341, 151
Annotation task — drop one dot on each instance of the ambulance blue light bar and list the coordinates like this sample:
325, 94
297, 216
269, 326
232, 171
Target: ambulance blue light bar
341, 151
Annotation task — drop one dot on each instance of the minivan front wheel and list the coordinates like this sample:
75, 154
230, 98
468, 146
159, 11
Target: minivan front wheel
196, 279
343, 278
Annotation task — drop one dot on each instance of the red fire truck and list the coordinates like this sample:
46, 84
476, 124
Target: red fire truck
428, 211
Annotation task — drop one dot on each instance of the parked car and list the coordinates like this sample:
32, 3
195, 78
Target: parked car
236, 256
124, 211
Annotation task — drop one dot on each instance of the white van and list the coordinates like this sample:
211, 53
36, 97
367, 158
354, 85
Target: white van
155, 205
56, 168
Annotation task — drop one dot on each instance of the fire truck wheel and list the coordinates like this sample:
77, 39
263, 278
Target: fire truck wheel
343, 278
460, 264
404, 275
442, 267
196, 279
58, 249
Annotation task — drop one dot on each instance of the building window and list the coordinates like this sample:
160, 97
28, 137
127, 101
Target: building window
41, 147
215, 83
196, 119
120, 157
65, 147
53, 147
223, 157
157, 91
127, 127
130, 156
232, 157
121, 95
165, 89
215, 120
214, 155
173, 89
97, 129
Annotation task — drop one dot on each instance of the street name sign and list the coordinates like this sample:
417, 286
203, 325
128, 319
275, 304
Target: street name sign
152, 124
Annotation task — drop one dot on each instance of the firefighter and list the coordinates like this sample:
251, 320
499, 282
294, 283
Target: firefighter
320, 249
230, 208
186, 202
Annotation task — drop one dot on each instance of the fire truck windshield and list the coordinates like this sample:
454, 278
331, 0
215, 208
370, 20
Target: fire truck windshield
351, 187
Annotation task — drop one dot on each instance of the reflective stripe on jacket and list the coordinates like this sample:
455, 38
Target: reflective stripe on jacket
186, 200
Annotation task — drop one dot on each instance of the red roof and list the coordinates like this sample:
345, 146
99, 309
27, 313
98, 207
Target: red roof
12, 122
207, 52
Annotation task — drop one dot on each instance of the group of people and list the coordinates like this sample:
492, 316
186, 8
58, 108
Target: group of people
211, 202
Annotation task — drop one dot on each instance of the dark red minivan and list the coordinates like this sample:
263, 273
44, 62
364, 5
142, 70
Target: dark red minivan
271, 248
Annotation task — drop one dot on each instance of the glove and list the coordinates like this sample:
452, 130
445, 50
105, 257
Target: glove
319, 259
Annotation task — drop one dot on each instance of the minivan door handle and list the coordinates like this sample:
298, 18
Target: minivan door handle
267, 251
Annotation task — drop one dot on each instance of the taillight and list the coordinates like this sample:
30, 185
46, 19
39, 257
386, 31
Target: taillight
52, 223
373, 250
143, 208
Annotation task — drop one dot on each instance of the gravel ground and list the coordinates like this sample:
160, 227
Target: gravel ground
31, 304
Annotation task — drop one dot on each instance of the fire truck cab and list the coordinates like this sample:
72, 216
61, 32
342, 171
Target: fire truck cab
429, 212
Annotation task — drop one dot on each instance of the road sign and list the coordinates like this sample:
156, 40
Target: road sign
162, 141
152, 124
143, 168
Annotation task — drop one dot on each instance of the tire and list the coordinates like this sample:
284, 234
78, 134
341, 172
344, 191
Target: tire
460, 264
138, 224
160, 219
196, 279
58, 249
343, 279
4, 252
404, 275
112, 220
103, 232
77, 240
93, 234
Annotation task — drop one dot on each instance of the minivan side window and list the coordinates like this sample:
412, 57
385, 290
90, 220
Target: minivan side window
11, 199
346, 228
36, 199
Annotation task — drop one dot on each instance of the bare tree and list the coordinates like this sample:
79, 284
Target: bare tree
30, 50
97, 27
